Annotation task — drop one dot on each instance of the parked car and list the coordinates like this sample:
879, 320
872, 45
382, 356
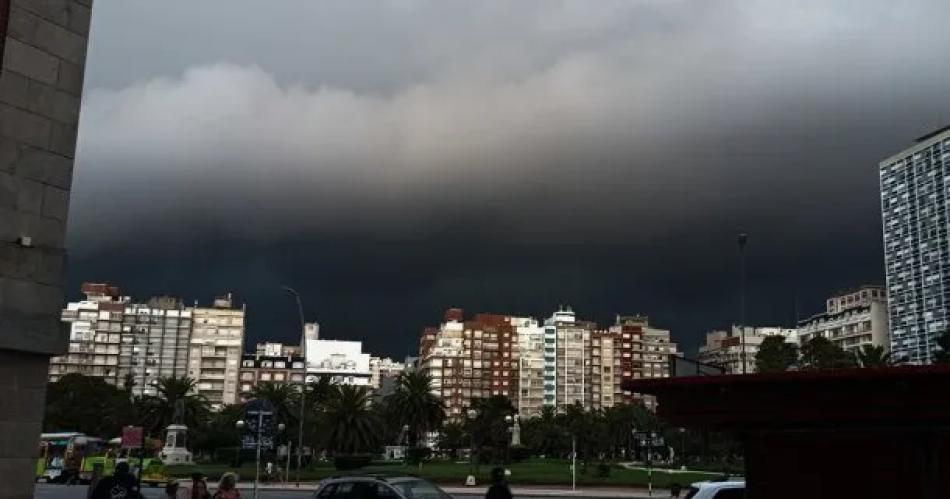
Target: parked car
717, 489
372, 486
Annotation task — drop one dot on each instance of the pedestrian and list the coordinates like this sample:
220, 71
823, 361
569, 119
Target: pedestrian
199, 488
227, 487
499, 487
94, 479
674, 490
121, 485
171, 489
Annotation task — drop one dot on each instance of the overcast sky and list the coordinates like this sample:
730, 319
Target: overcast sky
392, 159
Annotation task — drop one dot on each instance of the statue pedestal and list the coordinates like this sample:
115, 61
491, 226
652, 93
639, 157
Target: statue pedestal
174, 451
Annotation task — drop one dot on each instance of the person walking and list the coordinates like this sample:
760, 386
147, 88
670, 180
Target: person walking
199, 488
94, 479
499, 488
121, 485
227, 487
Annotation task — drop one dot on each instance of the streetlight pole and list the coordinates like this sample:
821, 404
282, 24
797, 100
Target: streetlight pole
683, 447
472, 414
303, 389
742, 239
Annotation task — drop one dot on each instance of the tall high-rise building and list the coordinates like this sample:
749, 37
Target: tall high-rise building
155, 339
531, 366
217, 342
914, 209
565, 359
470, 359
641, 351
95, 335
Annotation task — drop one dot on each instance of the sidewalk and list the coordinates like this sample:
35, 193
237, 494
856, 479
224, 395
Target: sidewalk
517, 490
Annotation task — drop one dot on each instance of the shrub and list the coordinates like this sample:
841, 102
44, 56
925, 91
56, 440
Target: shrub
351, 461
414, 455
603, 470
520, 453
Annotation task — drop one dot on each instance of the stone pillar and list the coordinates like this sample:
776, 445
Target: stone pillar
41, 77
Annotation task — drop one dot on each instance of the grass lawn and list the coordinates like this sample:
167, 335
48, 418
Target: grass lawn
530, 472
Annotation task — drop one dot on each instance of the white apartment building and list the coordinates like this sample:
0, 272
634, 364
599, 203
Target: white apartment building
383, 368
95, 335
217, 343
725, 348
531, 366
565, 341
341, 361
851, 320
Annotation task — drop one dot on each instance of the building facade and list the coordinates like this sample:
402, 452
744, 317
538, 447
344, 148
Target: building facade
341, 361
563, 362
851, 320
270, 363
41, 81
216, 347
914, 187
95, 335
470, 359
382, 369
155, 340
725, 348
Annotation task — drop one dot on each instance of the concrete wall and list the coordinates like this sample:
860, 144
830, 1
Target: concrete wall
44, 53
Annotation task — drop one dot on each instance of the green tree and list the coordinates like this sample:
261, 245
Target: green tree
775, 355
873, 356
158, 411
88, 405
942, 355
349, 421
282, 396
452, 438
821, 353
543, 434
219, 434
412, 403
490, 428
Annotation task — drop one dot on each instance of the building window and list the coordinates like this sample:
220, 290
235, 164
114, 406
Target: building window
265, 376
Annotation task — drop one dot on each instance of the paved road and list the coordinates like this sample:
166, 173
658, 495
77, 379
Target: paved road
49, 491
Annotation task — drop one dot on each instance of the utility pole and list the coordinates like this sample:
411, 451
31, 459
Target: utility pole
303, 388
742, 239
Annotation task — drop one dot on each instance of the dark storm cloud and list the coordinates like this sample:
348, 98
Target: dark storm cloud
609, 148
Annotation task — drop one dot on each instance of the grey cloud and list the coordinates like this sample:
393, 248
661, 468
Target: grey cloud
524, 120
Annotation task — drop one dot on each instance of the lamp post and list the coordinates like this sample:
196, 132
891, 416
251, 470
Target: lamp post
510, 427
472, 415
303, 388
258, 437
683, 448
742, 240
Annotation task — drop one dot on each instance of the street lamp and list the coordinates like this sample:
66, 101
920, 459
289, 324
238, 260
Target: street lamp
303, 388
510, 422
683, 448
472, 415
742, 240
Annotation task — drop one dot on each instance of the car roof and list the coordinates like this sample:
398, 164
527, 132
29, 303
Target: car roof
720, 484
369, 477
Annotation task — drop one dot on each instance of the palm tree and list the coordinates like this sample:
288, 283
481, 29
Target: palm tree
158, 411
349, 421
873, 356
281, 396
412, 403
